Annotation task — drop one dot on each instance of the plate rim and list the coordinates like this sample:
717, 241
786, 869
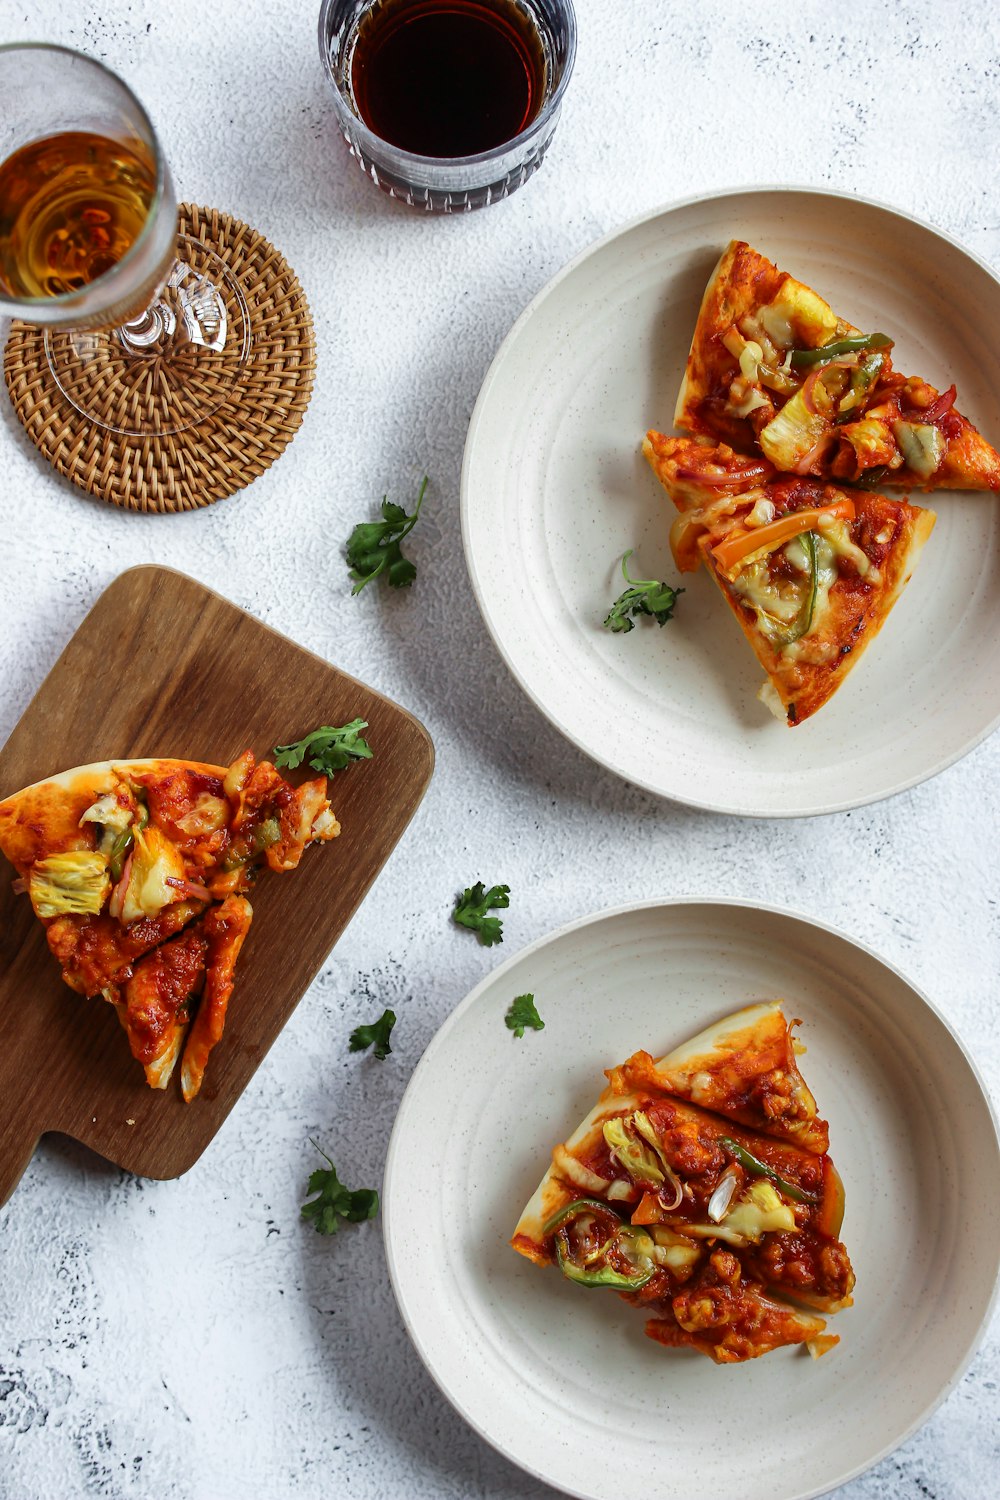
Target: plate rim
558, 934
907, 783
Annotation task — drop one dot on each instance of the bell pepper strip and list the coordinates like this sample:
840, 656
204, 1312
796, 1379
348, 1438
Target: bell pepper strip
759, 1168
831, 1215
733, 550
649, 1210
603, 1274
858, 343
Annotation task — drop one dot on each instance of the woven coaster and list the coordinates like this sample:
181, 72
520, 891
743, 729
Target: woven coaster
236, 443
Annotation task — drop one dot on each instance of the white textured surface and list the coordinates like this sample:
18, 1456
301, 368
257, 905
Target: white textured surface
190, 1340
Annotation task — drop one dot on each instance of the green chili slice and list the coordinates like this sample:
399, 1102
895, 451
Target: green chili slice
872, 478
266, 834
601, 1275
575, 1209
760, 1168
862, 380
597, 1271
802, 622
803, 358
119, 853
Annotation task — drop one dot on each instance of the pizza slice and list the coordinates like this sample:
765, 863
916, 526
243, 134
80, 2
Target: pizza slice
810, 570
772, 369
726, 1237
744, 1067
139, 872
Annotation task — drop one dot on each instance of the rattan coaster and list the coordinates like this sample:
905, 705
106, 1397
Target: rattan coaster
236, 443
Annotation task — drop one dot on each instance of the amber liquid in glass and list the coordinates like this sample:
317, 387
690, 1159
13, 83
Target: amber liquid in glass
71, 205
447, 78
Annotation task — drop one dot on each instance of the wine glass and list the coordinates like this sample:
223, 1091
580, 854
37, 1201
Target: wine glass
146, 331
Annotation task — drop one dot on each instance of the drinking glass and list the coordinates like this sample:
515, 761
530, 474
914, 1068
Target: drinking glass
145, 332
453, 184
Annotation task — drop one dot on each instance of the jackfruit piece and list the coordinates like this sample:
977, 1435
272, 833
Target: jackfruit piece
73, 883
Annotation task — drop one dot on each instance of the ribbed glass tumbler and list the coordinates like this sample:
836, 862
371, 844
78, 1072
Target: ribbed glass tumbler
448, 184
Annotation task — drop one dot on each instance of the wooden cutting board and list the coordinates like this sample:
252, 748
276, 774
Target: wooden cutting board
163, 666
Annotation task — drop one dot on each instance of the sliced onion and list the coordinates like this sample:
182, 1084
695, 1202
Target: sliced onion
192, 888
620, 1189
815, 452
736, 476
719, 1203
116, 904
576, 1173
938, 408
808, 389
672, 1184
19, 886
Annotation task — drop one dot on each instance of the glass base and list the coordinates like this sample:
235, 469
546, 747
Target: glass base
169, 368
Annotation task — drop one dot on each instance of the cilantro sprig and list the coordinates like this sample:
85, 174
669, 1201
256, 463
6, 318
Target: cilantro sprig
333, 1201
522, 1013
472, 906
644, 596
373, 547
377, 1033
327, 749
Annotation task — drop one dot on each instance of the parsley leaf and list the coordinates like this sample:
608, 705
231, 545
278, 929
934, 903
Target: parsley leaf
373, 547
522, 1013
472, 906
644, 596
378, 1032
327, 749
335, 1202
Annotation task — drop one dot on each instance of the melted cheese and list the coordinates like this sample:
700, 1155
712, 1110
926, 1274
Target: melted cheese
837, 534
797, 316
759, 1211
767, 694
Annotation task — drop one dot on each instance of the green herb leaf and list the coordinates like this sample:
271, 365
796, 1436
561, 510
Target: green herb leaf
522, 1013
644, 596
327, 749
373, 547
333, 1201
472, 906
378, 1032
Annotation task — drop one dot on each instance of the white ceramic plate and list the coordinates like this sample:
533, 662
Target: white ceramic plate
567, 1385
555, 488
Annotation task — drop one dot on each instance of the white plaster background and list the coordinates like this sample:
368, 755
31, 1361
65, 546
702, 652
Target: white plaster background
191, 1340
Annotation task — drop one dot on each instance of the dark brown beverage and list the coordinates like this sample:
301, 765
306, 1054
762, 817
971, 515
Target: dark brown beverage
447, 78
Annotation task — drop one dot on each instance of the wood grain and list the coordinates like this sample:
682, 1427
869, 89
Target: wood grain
163, 666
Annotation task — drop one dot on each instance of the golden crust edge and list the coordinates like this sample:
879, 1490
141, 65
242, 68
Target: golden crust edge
99, 768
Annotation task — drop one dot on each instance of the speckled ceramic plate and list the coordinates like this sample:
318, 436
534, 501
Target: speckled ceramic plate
567, 1385
555, 489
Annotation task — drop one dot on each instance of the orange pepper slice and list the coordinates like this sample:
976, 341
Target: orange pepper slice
649, 1211
731, 551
